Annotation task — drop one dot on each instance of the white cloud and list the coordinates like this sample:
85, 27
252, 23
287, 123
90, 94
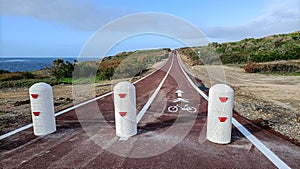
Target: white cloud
281, 17
144, 24
78, 14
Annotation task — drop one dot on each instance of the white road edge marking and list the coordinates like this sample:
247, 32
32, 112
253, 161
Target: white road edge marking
27, 126
146, 106
16, 131
258, 144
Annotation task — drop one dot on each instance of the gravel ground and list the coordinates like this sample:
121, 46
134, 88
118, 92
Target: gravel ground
271, 101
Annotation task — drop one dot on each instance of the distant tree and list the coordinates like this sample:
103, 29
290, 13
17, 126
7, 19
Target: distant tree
4, 71
62, 69
105, 73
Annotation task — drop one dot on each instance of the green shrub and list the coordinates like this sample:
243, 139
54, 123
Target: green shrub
4, 71
62, 69
272, 48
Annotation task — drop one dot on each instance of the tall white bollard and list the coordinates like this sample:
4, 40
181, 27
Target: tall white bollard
42, 109
219, 117
125, 109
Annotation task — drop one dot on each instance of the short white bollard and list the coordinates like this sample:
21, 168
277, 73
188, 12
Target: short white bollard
42, 109
219, 117
125, 109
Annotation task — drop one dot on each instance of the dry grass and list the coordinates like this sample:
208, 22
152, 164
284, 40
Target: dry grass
283, 67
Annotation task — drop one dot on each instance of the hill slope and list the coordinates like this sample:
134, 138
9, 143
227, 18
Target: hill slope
271, 48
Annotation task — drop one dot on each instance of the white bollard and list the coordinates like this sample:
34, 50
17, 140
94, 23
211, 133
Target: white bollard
42, 109
219, 117
125, 109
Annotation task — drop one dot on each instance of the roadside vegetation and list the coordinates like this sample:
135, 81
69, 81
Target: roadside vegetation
277, 54
255, 55
291, 67
123, 65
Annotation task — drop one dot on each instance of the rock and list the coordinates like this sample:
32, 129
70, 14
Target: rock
19, 103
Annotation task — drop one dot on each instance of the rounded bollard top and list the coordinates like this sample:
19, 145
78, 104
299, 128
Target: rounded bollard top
40, 86
222, 87
124, 83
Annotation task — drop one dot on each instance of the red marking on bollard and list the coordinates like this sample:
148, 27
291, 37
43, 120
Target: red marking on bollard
35, 96
36, 113
123, 113
122, 96
222, 119
223, 99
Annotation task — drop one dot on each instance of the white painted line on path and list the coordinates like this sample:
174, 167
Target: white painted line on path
71, 108
147, 105
82, 104
56, 114
258, 144
16, 131
191, 82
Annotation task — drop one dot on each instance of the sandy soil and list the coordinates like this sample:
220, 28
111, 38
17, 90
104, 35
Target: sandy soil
269, 100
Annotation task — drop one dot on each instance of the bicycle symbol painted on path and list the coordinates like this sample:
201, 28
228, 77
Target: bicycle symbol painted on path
186, 107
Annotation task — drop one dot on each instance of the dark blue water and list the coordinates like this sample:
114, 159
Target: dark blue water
27, 64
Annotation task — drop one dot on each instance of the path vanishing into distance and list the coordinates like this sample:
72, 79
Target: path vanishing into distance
85, 136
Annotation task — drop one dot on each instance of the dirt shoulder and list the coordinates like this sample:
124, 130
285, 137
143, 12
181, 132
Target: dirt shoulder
15, 104
272, 101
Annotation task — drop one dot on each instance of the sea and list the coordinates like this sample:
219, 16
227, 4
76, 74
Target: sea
24, 64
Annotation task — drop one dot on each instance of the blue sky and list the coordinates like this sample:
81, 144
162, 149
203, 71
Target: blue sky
62, 27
